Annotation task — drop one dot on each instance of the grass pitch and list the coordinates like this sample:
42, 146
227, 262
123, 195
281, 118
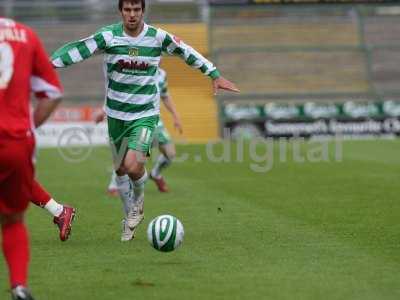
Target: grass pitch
311, 230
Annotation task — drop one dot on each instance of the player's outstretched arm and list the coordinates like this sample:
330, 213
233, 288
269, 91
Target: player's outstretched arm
175, 46
75, 52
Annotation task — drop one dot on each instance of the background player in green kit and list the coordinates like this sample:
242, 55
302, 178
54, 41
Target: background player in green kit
132, 52
162, 139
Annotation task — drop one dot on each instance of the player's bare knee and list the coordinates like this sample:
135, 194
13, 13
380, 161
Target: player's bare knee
135, 171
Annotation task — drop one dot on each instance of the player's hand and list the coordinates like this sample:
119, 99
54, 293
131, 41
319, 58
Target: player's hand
99, 117
224, 84
178, 125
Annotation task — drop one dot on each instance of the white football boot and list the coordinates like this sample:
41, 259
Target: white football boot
127, 233
136, 214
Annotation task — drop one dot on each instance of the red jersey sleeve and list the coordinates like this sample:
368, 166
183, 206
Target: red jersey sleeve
45, 82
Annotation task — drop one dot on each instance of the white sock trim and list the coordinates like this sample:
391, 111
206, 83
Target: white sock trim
121, 179
126, 194
161, 163
54, 208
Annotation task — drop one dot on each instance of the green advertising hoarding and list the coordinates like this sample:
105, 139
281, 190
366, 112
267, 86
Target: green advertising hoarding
314, 118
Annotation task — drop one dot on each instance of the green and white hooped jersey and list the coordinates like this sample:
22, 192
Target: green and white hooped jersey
130, 66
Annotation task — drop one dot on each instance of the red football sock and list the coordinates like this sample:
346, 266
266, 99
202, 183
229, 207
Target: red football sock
39, 194
16, 252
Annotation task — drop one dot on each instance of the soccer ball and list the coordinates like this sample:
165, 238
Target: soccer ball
165, 233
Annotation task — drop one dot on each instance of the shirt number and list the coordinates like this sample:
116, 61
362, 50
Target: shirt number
6, 65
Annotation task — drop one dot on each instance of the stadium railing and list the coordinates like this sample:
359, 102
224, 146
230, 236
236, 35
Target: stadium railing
289, 55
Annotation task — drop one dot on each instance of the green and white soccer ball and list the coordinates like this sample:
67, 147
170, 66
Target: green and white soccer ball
165, 233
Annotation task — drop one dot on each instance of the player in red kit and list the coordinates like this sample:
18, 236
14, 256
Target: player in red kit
24, 68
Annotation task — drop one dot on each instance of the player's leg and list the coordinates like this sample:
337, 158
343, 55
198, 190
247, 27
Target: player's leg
164, 160
112, 189
63, 214
15, 246
134, 166
16, 176
130, 179
125, 190
117, 134
139, 148
137, 140
41, 198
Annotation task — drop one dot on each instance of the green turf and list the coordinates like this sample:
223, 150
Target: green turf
314, 230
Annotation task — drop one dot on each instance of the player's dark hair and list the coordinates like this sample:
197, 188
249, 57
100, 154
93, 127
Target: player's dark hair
121, 2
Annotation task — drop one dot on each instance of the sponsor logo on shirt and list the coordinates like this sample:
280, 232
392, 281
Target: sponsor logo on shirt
132, 65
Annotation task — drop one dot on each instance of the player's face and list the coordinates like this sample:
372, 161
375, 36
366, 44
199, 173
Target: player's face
132, 15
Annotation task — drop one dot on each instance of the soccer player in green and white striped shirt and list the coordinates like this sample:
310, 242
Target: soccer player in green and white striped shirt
162, 139
132, 52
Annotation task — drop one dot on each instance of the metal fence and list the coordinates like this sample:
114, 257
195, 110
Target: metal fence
299, 53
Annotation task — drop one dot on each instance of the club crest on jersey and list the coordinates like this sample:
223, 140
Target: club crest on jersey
133, 52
